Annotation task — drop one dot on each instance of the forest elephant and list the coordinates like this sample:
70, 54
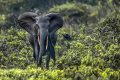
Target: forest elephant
42, 29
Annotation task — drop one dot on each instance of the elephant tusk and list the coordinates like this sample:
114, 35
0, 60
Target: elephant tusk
39, 39
47, 43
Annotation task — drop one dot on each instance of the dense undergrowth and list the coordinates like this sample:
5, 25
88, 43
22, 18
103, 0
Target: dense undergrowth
92, 54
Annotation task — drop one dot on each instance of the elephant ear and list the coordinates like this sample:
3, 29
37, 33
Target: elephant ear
56, 22
27, 20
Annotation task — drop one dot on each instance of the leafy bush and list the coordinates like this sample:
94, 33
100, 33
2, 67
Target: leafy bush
83, 72
110, 28
15, 49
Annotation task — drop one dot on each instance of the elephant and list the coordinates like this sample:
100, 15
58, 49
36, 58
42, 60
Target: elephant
42, 30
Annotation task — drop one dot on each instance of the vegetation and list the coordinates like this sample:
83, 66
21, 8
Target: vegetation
92, 54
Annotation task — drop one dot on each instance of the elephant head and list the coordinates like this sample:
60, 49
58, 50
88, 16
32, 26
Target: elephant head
40, 27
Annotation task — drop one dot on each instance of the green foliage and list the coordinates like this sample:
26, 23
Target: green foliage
83, 72
2, 18
75, 12
110, 29
68, 7
85, 59
15, 49
6, 4
71, 9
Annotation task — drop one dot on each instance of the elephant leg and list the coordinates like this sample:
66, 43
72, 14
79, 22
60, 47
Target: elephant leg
39, 60
51, 49
53, 38
47, 60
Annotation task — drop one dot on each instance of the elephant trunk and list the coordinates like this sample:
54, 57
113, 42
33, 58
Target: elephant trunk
43, 42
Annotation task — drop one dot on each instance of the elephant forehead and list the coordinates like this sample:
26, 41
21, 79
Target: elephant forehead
42, 19
42, 22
